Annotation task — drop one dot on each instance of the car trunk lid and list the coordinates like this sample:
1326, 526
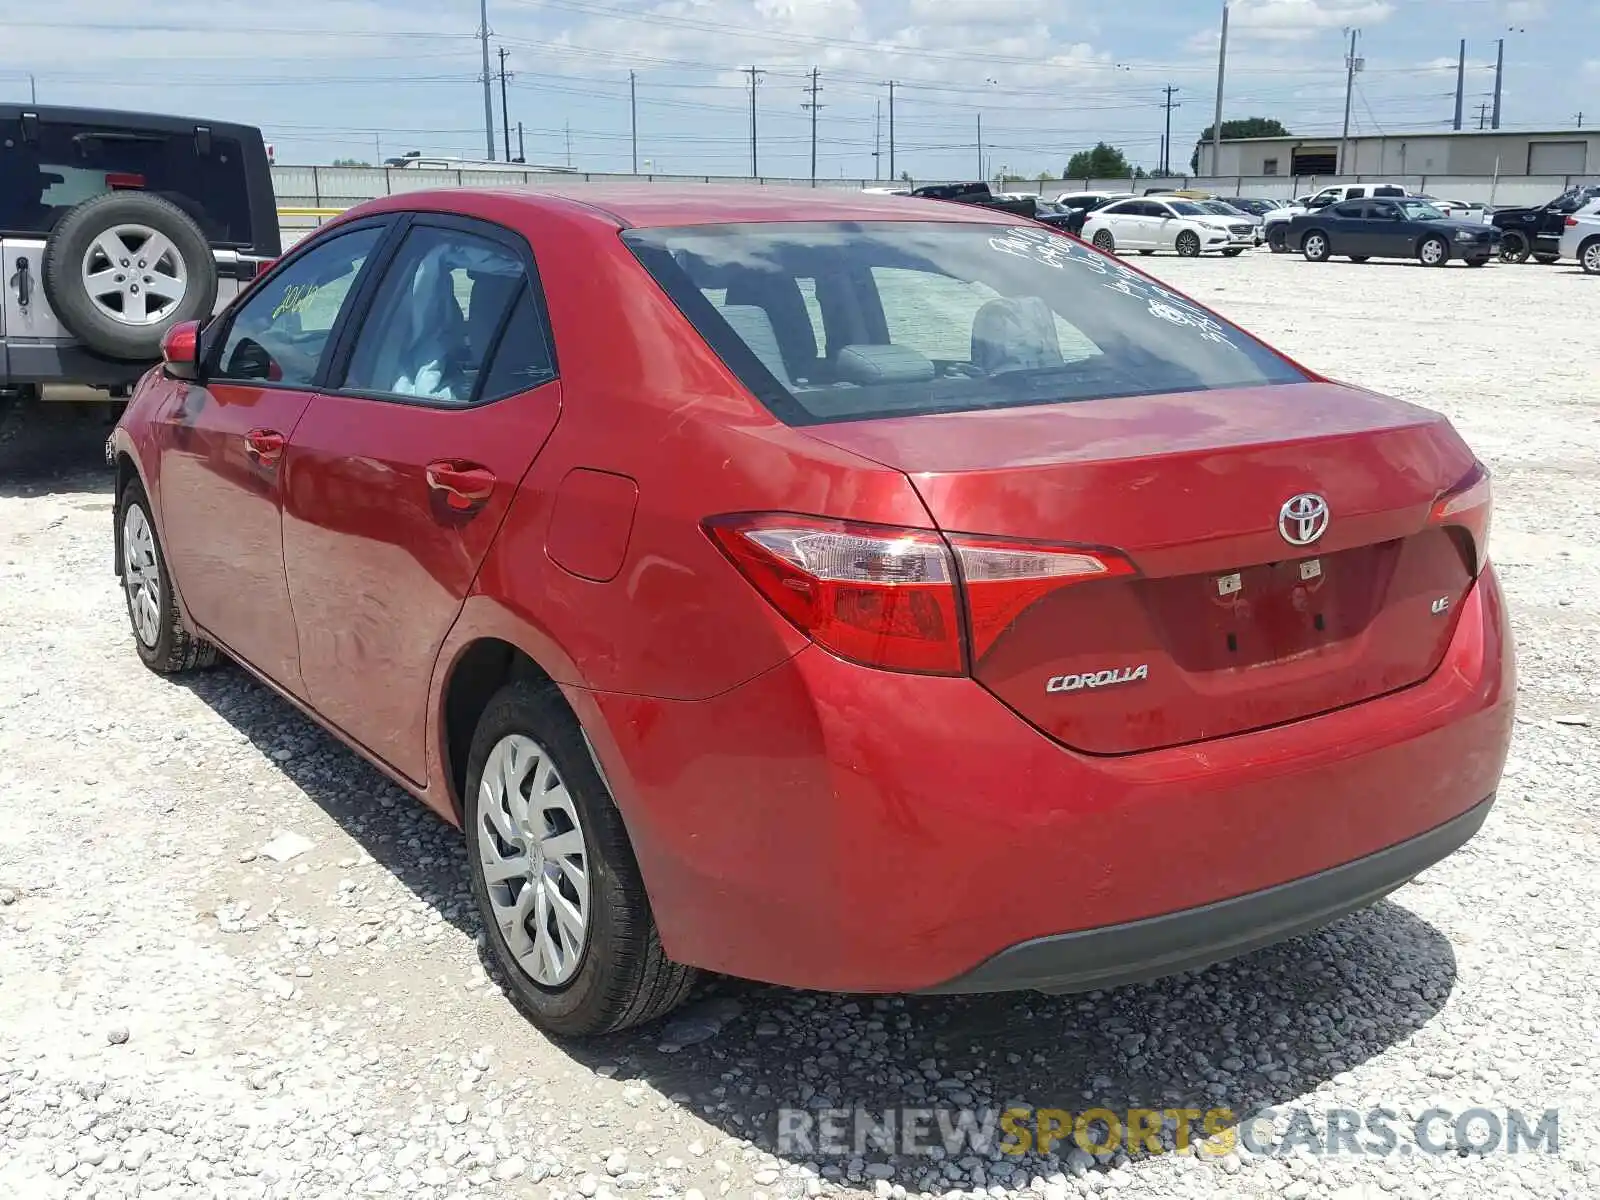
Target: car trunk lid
1224, 625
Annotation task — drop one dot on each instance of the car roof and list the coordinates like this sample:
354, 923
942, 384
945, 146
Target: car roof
656, 205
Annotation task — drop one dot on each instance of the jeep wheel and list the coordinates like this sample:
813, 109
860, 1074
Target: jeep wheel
1514, 247
122, 269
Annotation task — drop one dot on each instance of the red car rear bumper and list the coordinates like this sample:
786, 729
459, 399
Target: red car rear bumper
830, 826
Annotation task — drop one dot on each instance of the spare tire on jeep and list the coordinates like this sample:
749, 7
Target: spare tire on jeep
121, 269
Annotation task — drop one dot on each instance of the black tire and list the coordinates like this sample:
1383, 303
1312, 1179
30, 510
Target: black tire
1278, 240
1315, 246
1361, 258
1104, 242
1546, 259
1147, 253
1514, 247
1477, 262
1589, 256
72, 241
624, 978
1187, 244
1443, 258
1233, 252
173, 649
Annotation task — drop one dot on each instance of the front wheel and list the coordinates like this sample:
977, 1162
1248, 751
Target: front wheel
1277, 241
1187, 244
557, 886
1315, 247
1514, 247
1104, 242
158, 634
1433, 252
1589, 256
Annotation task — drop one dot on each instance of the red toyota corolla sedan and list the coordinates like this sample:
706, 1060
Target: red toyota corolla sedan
850, 592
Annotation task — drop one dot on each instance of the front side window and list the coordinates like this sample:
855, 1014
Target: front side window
1185, 208
941, 317
1353, 211
436, 316
281, 331
1419, 210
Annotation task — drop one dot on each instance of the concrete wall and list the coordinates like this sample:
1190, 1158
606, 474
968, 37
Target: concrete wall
1426, 154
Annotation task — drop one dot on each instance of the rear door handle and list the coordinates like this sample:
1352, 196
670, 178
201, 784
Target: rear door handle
464, 486
264, 446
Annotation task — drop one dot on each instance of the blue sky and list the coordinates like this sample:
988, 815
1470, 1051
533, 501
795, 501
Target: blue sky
356, 78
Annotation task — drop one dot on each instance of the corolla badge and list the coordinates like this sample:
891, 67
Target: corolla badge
1303, 519
1095, 679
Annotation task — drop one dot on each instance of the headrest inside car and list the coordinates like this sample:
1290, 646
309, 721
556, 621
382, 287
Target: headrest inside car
882, 364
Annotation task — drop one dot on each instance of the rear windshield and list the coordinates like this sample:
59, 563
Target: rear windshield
40, 181
838, 322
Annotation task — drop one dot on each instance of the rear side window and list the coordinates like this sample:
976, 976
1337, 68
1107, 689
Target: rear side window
940, 317
70, 163
1356, 209
436, 317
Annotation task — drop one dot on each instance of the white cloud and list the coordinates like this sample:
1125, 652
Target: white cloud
1295, 20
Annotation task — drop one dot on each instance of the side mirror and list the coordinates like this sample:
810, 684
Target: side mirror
180, 350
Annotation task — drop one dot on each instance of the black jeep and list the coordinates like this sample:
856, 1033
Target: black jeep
1537, 231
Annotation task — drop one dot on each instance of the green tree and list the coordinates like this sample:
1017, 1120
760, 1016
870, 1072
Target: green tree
350, 162
1249, 127
1103, 162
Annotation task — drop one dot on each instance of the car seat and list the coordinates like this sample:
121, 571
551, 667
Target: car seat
1015, 333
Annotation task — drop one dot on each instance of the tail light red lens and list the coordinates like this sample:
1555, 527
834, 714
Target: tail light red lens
890, 597
1468, 508
123, 180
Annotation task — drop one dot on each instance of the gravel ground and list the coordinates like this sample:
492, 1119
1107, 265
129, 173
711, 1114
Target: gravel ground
182, 1015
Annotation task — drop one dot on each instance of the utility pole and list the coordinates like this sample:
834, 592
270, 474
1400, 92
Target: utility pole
505, 111
980, 146
877, 141
1166, 142
814, 87
1351, 65
33, 89
522, 153
892, 175
1499, 70
488, 96
568, 127
1580, 120
633, 117
755, 78
1461, 81
1222, 67
1483, 115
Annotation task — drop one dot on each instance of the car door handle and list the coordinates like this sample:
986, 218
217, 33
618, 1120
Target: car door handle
264, 446
464, 486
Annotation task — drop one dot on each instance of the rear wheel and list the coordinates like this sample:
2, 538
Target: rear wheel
1514, 247
158, 634
1315, 246
1589, 256
558, 888
1104, 242
1187, 244
1277, 241
1433, 252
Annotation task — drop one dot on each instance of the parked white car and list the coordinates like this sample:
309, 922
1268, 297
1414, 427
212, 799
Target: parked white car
1580, 239
1148, 224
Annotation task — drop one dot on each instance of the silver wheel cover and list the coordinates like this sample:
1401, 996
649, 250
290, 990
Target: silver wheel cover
141, 576
134, 275
1591, 258
530, 843
1431, 252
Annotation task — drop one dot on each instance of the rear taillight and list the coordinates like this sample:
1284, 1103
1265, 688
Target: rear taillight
123, 180
1003, 578
1572, 222
889, 597
1468, 508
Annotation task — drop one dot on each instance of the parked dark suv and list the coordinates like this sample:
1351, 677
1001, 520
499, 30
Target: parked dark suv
114, 227
1537, 231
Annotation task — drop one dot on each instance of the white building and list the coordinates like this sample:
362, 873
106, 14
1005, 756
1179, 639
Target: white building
1570, 153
